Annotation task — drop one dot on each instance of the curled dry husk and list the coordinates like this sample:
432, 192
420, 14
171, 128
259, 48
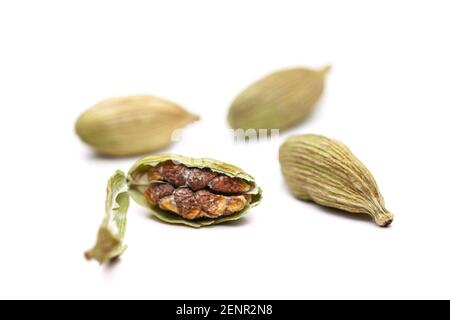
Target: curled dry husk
130, 125
109, 243
325, 171
279, 100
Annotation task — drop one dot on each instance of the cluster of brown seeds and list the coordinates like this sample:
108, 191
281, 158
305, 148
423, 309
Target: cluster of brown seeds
195, 193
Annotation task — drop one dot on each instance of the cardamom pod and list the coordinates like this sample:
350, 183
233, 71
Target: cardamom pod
279, 100
325, 171
130, 125
178, 190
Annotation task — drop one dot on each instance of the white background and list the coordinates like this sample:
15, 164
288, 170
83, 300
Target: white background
387, 97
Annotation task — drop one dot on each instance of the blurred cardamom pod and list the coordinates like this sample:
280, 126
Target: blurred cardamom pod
279, 100
325, 171
130, 125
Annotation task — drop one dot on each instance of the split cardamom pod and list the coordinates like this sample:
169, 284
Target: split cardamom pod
325, 171
131, 125
178, 190
279, 100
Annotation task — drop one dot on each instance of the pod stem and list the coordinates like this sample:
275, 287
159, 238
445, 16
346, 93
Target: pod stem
324, 71
382, 217
194, 117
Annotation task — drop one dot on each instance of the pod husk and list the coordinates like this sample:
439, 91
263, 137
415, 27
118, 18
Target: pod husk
131, 125
325, 171
278, 101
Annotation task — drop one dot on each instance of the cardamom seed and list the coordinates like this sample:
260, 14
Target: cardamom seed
130, 125
325, 171
178, 190
279, 100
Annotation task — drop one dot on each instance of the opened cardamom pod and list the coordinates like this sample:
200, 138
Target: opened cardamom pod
325, 171
178, 190
279, 100
131, 125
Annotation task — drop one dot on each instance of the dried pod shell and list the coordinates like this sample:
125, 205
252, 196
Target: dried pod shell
130, 125
279, 100
325, 171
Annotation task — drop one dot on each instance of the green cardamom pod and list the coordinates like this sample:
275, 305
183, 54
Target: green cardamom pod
279, 100
131, 125
325, 171
178, 190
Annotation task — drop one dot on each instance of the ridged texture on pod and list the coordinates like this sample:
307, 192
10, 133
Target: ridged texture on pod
130, 125
138, 183
325, 171
109, 244
279, 100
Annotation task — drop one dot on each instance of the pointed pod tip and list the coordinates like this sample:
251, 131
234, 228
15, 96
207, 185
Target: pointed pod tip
88, 255
385, 219
324, 71
195, 117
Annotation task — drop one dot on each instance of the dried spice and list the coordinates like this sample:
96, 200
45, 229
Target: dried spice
279, 100
176, 189
195, 193
130, 125
325, 171
112, 229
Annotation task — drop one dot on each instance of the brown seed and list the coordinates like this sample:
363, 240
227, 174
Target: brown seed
236, 203
225, 184
198, 179
156, 192
213, 204
186, 203
155, 174
174, 174
168, 204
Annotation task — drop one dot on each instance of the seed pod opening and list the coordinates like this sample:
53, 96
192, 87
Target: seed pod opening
194, 192
176, 189
326, 171
279, 100
131, 125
